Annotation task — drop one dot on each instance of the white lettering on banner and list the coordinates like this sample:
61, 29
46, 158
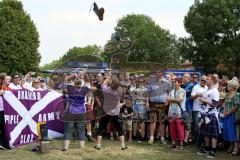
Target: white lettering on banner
25, 114
26, 138
49, 116
29, 95
11, 119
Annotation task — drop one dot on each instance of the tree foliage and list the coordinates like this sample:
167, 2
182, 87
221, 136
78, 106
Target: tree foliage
151, 42
214, 27
89, 53
19, 40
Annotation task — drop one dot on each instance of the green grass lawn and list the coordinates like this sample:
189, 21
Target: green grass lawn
110, 151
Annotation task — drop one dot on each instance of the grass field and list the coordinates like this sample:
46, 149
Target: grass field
110, 151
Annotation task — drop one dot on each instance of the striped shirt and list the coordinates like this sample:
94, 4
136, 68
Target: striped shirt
159, 90
111, 100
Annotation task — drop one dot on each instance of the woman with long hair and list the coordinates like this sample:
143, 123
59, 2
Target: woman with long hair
112, 93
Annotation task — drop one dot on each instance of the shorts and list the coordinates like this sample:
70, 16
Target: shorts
127, 125
188, 120
139, 113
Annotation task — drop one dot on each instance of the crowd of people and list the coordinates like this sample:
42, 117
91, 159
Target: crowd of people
173, 110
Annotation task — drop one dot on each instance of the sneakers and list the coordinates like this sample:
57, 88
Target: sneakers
63, 150
203, 152
2, 148
124, 148
96, 147
90, 139
211, 155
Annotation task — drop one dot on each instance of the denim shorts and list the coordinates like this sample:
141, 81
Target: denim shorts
80, 129
139, 112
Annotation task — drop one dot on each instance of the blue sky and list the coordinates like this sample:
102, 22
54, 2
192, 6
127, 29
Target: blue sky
63, 24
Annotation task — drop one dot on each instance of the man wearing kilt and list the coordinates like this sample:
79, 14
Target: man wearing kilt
210, 126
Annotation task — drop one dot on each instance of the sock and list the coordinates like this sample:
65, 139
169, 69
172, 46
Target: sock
162, 139
151, 137
89, 134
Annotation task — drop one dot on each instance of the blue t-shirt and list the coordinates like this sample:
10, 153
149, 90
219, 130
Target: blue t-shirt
188, 89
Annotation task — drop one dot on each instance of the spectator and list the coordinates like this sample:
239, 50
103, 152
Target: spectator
177, 100
14, 85
140, 103
196, 93
195, 79
126, 114
210, 127
188, 86
158, 89
232, 102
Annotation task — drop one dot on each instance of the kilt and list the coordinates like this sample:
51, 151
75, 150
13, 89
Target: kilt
158, 112
212, 128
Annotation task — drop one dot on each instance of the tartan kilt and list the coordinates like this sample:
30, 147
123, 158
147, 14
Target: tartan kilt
212, 128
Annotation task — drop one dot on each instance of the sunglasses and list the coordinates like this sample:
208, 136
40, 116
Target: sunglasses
203, 80
16, 77
36, 82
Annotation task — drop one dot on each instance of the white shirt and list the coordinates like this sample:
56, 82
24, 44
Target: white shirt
14, 87
34, 89
197, 89
27, 85
210, 95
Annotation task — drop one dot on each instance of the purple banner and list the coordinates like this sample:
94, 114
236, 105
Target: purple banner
23, 109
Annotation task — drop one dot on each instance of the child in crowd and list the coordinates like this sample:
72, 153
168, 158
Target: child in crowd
126, 114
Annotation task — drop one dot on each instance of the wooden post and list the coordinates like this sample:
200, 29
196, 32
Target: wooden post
44, 146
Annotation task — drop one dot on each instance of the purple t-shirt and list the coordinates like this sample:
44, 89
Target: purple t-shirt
111, 100
77, 99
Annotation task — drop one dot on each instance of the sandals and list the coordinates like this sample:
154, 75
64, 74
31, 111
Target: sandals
173, 146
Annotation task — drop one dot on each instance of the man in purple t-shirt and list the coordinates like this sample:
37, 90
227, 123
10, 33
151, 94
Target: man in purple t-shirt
76, 101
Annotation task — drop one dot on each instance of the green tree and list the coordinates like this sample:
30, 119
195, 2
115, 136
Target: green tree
19, 40
89, 53
214, 29
151, 42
